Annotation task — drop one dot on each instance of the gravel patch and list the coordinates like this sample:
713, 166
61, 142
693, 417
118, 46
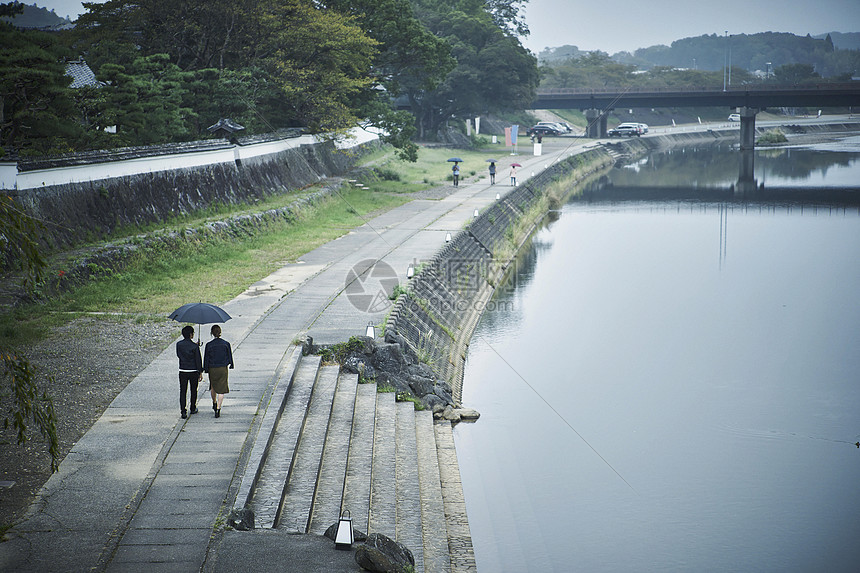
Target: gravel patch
90, 361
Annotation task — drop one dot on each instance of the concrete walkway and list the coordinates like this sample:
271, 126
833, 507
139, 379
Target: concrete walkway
143, 490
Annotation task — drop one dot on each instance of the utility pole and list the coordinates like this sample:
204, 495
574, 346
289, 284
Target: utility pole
725, 59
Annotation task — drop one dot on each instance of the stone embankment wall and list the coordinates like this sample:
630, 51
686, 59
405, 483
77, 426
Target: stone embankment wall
90, 210
440, 309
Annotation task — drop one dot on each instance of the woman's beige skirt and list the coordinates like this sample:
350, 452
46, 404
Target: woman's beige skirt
218, 380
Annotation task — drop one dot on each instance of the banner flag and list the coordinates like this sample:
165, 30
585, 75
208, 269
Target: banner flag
508, 137
514, 130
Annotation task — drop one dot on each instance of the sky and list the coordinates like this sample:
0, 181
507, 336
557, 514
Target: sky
625, 25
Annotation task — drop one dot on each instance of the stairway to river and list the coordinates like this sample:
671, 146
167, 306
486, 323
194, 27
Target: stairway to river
326, 443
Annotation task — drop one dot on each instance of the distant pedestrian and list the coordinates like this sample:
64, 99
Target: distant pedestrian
456, 173
513, 176
492, 173
217, 357
190, 369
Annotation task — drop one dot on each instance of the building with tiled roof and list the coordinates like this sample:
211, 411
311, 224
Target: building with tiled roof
81, 74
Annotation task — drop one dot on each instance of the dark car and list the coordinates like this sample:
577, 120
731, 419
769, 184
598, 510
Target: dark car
541, 130
628, 130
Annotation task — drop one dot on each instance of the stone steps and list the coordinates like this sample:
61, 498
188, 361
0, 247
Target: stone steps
328, 444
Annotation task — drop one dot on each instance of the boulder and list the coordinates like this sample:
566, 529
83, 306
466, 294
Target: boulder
420, 385
450, 414
389, 358
399, 384
469, 414
241, 519
445, 396
307, 344
363, 344
384, 555
433, 402
358, 363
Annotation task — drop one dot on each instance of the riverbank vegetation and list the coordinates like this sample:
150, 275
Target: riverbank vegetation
167, 71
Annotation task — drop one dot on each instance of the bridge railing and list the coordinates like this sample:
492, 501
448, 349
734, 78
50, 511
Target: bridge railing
824, 86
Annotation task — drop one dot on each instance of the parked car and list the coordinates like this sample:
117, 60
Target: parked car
642, 127
542, 130
553, 124
628, 129
735, 117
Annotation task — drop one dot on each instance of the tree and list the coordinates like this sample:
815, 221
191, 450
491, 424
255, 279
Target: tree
18, 378
796, 74
494, 72
37, 114
410, 61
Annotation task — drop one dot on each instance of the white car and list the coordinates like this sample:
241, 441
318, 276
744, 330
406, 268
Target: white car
640, 128
555, 125
735, 117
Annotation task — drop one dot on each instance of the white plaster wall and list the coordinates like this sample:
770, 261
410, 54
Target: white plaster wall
10, 178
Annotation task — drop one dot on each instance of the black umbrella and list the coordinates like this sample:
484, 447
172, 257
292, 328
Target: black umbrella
456, 160
199, 313
491, 160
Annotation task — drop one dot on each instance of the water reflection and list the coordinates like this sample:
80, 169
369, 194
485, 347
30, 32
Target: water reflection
717, 166
726, 395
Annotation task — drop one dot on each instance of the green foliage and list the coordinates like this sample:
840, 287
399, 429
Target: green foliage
28, 403
18, 380
796, 74
397, 291
772, 136
338, 353
406, 397
494, 71
19, 247
38, 114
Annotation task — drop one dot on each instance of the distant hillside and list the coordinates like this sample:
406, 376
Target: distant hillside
843, 41
831, 55
35, 17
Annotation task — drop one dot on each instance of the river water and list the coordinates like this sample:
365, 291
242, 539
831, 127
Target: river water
673, 384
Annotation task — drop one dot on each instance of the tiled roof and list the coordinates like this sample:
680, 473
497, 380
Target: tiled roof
227, 125
81, 74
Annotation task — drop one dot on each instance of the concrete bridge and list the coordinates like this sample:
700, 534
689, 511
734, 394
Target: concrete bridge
748, 99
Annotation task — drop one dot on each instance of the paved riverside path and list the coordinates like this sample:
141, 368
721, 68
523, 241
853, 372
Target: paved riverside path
143, 489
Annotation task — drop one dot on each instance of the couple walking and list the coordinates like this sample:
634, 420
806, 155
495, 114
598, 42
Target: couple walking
217, 357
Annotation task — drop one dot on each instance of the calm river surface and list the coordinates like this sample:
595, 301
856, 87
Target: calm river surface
675, 385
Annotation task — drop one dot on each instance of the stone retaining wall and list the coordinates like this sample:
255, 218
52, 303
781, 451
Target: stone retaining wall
444, 301
91, 210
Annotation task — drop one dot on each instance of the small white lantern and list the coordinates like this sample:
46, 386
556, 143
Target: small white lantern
344, 537
371, 331
448, 237
410, 271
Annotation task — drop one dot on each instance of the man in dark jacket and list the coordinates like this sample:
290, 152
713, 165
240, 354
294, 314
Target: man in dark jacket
190, 368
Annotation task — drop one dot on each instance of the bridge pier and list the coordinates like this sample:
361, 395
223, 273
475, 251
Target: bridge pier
746, 174
596, 123
748, 127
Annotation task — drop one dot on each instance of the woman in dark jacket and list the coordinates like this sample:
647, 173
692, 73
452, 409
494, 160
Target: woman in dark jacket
217, 357
190, 368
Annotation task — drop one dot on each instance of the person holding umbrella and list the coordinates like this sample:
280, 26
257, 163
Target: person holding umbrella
456, 173
514, 174
217, 357
190, 368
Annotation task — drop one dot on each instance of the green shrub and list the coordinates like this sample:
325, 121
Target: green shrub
772, 136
